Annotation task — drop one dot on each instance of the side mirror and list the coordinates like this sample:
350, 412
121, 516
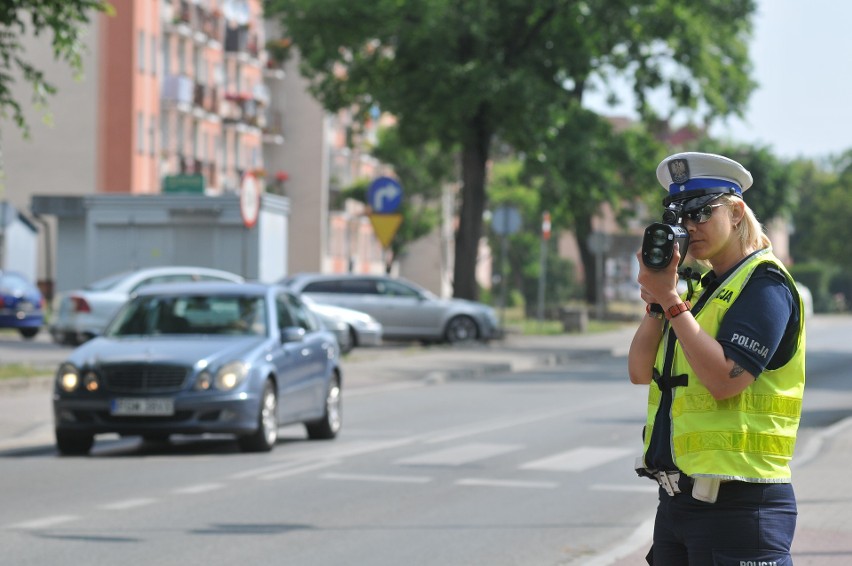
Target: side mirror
292, 334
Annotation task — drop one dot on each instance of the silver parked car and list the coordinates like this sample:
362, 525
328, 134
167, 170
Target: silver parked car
193, 358
84, 313
405, 310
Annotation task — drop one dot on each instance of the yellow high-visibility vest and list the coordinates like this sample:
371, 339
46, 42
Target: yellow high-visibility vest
748, 437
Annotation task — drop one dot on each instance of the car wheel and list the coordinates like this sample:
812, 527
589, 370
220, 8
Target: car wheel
264, 438
329, 425
74, 443
461, 329
29, 332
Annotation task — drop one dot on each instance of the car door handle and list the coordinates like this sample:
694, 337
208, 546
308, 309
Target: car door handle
306, 352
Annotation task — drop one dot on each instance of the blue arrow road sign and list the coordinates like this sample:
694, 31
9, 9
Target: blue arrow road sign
384, 195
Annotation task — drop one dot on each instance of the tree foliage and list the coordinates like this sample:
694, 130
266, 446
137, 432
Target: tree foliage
467, 73
585, 163
822, 230
776, 182
509, 186
65, 20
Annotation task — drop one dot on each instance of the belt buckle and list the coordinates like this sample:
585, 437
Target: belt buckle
668, 481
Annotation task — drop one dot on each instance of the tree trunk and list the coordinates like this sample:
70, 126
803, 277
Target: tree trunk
474, 160
583, 231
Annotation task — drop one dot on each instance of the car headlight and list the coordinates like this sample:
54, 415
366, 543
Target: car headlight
67, 377
231, 375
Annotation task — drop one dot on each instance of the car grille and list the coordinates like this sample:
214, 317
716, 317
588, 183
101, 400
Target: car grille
144, 378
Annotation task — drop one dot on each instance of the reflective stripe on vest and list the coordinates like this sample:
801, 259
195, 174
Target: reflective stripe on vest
750, 436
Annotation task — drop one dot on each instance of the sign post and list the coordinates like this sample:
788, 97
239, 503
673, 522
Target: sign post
504, 221
542, 272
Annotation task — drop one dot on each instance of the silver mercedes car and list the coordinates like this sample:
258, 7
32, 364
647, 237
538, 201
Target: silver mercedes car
193, 358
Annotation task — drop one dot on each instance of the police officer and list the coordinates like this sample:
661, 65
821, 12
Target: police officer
725, 367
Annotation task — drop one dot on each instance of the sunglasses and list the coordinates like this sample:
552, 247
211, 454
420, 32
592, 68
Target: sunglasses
701, 215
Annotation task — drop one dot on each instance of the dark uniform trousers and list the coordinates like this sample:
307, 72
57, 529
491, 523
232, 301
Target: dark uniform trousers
750, 524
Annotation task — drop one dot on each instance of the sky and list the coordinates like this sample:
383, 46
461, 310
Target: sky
801, 52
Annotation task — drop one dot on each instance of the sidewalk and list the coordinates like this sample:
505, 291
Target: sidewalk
821, 466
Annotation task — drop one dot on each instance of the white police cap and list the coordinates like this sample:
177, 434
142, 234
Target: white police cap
693, 174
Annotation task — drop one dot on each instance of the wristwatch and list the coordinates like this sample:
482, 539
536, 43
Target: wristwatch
677, 309
654, 313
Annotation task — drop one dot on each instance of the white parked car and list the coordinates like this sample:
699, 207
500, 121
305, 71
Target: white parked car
84, 313
360, 328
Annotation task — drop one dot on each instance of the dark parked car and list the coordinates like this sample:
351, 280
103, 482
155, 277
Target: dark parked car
21, 304
405, 310
193, 358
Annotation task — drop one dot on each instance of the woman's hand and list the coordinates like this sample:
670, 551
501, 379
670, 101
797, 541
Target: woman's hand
659, 285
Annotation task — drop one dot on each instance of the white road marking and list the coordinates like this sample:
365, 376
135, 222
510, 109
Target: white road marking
377, 478
458, 455
641, 536
127, 504
578, 459
478, 482
199, 488
494, 425
44, 522
299, 470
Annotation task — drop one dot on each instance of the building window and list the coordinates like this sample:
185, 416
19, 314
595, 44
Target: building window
152, 135
153, 55
140, 52
140, 132
167, 62
165, 139
181, 56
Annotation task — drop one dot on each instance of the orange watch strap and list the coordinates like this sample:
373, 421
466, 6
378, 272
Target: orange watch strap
677, 309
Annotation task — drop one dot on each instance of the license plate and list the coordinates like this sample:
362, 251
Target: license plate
157, 407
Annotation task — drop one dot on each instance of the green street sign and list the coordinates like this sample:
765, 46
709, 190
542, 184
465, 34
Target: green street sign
183, 184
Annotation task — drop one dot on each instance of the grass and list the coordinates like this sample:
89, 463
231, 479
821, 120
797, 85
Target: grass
514, 320
10, 371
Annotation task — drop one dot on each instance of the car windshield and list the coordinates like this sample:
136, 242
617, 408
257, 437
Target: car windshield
236, 315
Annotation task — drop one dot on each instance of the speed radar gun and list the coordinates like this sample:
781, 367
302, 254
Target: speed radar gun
661, 238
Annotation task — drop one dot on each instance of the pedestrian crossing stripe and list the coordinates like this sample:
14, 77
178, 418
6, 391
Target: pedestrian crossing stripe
458, 455
578, 459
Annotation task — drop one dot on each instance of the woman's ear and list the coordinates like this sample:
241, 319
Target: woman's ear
737, 211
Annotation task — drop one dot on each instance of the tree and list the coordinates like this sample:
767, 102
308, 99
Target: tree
467, 73
66, 19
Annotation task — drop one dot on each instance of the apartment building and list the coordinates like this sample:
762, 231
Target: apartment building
192, 95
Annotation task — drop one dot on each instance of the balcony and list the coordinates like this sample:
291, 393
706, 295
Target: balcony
240, 41
236, 39
273, 132
178, 91
241, 108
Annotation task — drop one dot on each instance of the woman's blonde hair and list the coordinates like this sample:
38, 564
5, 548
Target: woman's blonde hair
749, 230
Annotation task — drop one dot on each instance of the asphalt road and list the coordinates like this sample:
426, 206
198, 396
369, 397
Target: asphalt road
528, 468
514, 469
